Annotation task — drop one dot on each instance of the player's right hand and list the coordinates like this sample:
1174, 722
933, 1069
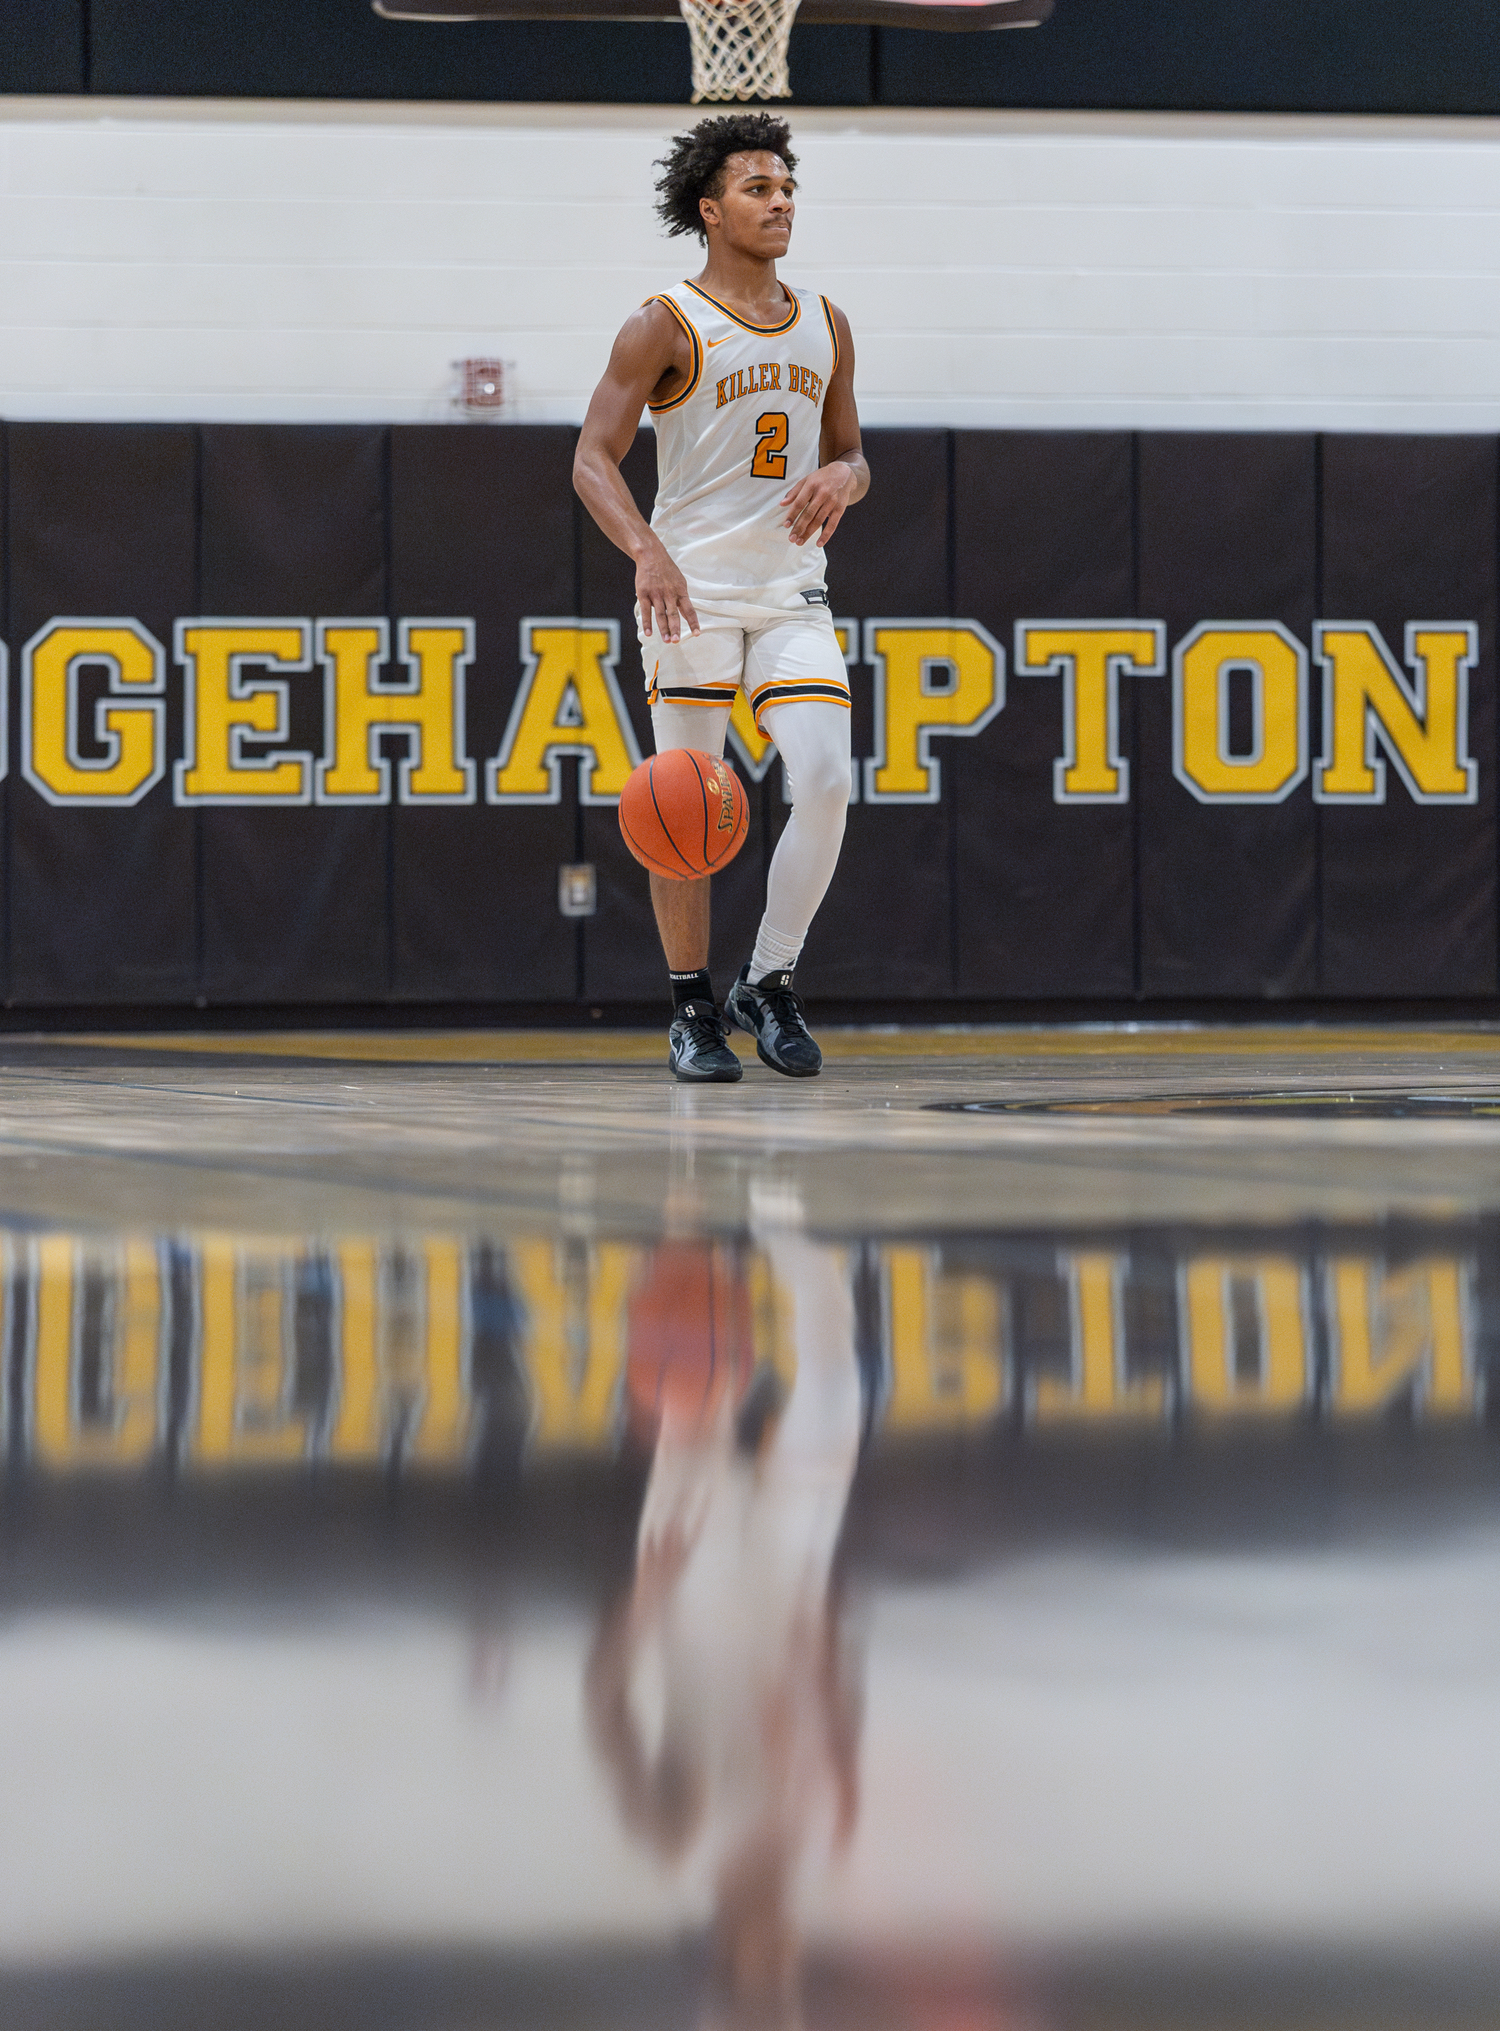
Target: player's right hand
662, 597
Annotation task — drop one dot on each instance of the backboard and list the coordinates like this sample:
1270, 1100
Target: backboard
931, 14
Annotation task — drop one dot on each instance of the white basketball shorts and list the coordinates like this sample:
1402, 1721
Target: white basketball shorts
779, 654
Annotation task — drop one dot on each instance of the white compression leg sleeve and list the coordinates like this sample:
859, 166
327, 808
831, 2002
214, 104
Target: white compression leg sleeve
813, 741
690, 726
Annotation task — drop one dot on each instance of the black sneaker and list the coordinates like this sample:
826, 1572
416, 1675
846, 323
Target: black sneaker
772, 1014
696, 1047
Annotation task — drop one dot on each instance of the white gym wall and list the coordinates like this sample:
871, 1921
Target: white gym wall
256, 262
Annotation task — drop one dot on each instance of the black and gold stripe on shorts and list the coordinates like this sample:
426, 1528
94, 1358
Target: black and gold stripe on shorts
691, 694
785, 694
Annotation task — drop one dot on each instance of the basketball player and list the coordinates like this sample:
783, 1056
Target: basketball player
747, 1784
751, 385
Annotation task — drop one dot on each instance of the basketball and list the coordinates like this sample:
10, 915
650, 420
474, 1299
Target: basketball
683, 814
689, 1330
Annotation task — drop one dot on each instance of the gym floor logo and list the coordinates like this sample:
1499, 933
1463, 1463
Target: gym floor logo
94, 710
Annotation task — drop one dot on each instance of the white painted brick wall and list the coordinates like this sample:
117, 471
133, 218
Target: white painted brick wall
233, 261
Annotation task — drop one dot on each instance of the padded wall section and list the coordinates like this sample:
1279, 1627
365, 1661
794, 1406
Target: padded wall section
340, 49
888, 913
1408, 888
42, 46
482, 528
1044, 891
1280, 55
1227, 531
295, 900
980, 883
103, 900
1276, 56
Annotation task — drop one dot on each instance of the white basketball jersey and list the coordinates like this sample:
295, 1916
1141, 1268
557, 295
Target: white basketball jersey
739, 436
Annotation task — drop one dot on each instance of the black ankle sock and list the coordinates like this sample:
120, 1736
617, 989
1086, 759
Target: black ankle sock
690, 987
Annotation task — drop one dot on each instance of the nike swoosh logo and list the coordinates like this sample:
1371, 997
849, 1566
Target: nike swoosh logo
711, 343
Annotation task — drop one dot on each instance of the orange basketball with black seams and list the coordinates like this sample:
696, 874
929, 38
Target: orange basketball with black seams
683, 814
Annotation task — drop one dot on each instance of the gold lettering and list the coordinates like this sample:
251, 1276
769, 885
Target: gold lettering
1202, 667
946, 1345
1090, 657
131, 735
568, 704
934, 677
1098, 1385
1246, 1330
402, 1354
1396, 1329
574, 1347
247, 1408
97, 1384
428, 709
225, 708
1369, 705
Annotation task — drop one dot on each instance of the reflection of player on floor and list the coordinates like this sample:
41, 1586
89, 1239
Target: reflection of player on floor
751, 385
749, 1777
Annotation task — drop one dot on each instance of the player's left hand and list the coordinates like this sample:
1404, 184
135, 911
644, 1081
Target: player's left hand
816, 505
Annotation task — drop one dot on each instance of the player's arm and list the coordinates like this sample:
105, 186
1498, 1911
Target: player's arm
651, 354
816, 505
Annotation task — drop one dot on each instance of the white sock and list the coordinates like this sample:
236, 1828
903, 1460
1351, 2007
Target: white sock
774, 952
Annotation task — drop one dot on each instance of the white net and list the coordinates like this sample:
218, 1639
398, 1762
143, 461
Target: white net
739, 47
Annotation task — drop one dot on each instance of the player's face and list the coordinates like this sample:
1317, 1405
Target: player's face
757, 204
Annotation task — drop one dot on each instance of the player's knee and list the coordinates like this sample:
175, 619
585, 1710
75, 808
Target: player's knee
822, 784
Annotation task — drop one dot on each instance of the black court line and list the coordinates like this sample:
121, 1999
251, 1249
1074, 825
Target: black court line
1403, 1104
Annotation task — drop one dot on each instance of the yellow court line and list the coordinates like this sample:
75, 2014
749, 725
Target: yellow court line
648, 1047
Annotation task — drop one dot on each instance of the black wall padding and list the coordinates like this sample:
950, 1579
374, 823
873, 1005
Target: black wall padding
340, 49
996, 893
1408, 890
1227, 529
1353, 56
1294, 56
42, 46
296, 902
1044, 896
890, 559
482, 528
103, 903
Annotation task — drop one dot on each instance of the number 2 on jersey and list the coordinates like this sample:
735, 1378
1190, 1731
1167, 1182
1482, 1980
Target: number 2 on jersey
769, 462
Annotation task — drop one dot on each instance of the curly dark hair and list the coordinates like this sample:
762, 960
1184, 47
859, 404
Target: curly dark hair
694, 168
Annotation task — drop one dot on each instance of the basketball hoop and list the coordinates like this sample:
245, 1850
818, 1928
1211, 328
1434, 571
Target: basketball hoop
739, 47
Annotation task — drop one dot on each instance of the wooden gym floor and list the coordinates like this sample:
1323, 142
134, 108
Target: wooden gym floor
1165, 1584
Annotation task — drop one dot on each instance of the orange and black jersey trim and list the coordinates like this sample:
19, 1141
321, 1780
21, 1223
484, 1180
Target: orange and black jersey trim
794, 311
676, 401
833, 333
